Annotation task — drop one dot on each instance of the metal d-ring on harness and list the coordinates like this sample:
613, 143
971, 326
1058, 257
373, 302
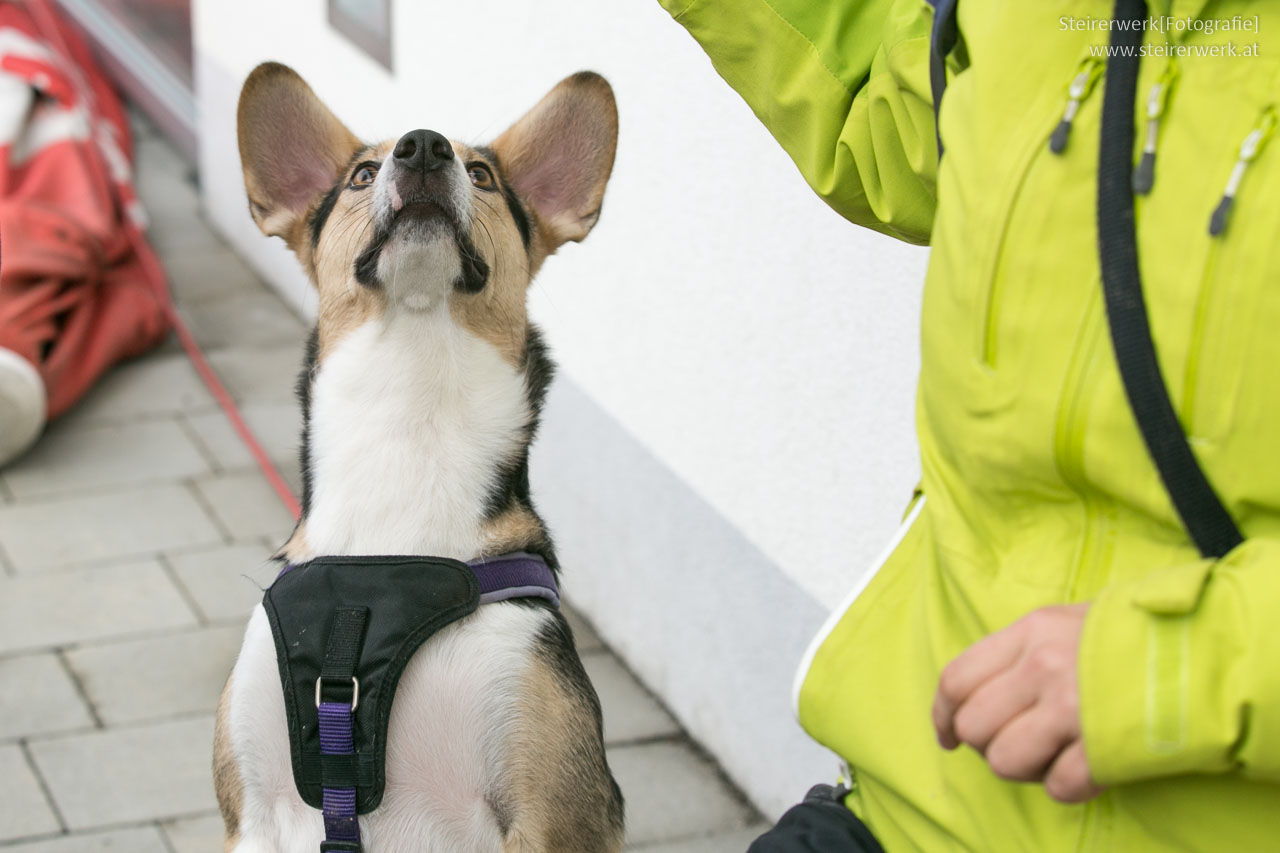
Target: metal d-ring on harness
1202, 513
344, 630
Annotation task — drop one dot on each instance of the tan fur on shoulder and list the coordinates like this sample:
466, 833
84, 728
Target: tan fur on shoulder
226, 777
566, 804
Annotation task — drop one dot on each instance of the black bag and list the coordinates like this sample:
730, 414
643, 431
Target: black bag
820, 824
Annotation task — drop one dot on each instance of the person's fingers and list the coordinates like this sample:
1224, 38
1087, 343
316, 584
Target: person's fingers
1029, 745
975, 665
992, 706
1069, 779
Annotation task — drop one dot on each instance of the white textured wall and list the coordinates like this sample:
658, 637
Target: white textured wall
757, 346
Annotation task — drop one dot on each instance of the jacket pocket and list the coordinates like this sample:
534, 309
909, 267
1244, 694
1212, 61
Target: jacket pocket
1059, 133
837, 615
1240, 228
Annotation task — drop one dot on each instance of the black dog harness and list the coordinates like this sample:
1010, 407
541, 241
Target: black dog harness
345, 628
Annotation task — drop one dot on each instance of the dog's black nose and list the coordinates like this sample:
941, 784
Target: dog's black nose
423, 149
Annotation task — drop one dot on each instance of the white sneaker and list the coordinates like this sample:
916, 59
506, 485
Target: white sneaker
22, 405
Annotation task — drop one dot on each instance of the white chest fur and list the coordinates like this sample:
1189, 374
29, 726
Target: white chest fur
411, 417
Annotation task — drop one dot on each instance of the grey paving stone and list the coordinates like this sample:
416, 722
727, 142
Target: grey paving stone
149, 772
157, 677
157, 163
291, 470
112, 525
77, 605
247, 507
207, 272
168, 193
253, 318
584, 636
23, 809
140, 126
72, 457
144, 839
261, 373
155, 385
276, 426
630, 712
674, 793
175, 227
225, 583
38, 697
728, 842
195, 835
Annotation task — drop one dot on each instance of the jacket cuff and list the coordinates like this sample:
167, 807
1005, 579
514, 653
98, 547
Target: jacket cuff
1174, 670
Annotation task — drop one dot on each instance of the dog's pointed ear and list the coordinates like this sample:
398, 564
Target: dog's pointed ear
559, 155
292, 148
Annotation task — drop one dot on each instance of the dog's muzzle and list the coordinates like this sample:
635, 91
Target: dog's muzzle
423, 186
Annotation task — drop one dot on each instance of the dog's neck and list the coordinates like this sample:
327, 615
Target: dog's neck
412, 423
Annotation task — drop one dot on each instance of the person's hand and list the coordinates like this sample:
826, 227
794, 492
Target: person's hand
1013, 697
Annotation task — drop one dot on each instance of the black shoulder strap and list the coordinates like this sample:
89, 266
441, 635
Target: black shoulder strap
942, 41
1202, 513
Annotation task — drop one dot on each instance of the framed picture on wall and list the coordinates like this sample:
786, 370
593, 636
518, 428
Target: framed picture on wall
367, 23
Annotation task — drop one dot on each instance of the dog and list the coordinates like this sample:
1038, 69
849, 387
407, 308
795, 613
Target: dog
420, 395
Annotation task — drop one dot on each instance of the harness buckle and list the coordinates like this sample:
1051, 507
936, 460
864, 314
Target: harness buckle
355, 691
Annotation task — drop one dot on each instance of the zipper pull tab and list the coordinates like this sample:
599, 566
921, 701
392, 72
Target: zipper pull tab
1087, 74
1249, 150
1144, 177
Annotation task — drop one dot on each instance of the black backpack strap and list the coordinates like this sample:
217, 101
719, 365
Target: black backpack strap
941, 42
1201, 511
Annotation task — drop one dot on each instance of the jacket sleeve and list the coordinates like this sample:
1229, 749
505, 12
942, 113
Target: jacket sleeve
844, 88
1178, 671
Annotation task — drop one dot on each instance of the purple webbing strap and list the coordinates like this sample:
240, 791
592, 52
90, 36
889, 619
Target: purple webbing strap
337, 726
339, 804
517, 575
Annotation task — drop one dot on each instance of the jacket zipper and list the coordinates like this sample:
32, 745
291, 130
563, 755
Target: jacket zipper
1144, 177
1069, 438
1196, 346
1249, 151
1250, 148
1083, 81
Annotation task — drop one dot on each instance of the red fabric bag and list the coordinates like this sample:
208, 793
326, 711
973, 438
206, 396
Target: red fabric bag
78, 289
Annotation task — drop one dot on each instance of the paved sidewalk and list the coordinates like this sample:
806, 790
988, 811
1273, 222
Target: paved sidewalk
133, 540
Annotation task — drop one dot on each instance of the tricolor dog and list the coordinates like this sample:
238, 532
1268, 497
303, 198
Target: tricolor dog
421, 395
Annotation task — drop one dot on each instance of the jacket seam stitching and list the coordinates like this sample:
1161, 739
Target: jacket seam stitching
813, 47
676, 16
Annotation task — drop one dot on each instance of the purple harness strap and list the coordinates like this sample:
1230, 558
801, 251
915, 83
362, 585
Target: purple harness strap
516, 575
341, 827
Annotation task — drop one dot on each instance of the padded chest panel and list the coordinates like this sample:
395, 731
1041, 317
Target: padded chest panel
409, 599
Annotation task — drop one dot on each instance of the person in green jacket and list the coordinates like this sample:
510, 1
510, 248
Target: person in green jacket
1043, 607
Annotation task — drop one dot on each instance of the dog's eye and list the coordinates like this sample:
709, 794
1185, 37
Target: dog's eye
364, 175
482, 176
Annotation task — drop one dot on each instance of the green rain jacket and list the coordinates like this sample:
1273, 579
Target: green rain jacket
1037, 488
